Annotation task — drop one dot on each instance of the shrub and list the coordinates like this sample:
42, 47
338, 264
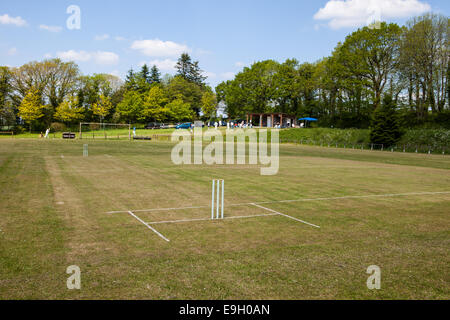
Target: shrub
58, 127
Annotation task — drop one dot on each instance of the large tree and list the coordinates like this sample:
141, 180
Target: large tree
31, 107
189, 69
371, 55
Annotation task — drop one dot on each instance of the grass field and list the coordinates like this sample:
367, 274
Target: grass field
373, 208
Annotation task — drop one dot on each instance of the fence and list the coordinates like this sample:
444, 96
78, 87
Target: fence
411, 148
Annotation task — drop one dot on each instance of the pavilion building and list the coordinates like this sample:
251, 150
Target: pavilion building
270, 120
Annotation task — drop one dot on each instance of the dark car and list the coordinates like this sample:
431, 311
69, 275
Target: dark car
154, 125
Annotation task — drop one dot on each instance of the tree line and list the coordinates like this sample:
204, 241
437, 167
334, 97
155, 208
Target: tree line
50, 92
408, 63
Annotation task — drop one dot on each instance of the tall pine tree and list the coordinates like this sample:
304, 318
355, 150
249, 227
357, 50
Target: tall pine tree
385, 127
189, 69
145, 74
155, 75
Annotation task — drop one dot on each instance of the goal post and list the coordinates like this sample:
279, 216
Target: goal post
113, 131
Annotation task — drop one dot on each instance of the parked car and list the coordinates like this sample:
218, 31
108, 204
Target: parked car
155, 125
186, 125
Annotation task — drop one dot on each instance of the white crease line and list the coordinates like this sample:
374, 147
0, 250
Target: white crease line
285, 215
151, 228
162, 209
295, 200
209, 219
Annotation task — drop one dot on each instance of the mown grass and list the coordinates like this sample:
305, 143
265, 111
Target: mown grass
53, 214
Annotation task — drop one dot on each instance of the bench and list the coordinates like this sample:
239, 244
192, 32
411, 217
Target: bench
68, 135
7, 132
141, 138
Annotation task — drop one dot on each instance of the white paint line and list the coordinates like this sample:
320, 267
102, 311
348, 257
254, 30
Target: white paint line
295, 200
162, 209
151, 228
285, 215
209, 219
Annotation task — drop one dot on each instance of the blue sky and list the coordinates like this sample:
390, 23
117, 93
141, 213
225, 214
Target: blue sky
223, 35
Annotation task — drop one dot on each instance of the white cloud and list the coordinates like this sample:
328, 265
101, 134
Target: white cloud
355, 13
239, 64
99, 57
158, 48
119, 38
167, 65
48, 56
17, 21
105, 57
101, 37
12, 51
50, 28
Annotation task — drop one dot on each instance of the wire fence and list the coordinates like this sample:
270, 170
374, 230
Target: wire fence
404, 148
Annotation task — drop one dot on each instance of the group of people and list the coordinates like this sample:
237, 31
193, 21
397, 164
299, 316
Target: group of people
232, 125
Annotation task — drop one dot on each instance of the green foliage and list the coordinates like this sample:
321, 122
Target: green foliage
155, 75
180, 111
325, 136
69, 110
189, 70
189, 92
385, 127
155, 102
31, 108
102, 107
209, 104
131, 106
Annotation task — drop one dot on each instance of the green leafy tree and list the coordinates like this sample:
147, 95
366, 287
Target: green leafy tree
69, 110
209, 104
7, 116
102, 107
155, 105
130, 108
190, 92
385, 127
180, 110
371, 55
31, 108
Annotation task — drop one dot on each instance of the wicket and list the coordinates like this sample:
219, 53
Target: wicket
85, 150
217, 189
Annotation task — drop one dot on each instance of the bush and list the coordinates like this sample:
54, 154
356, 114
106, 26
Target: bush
385, 127
58, 127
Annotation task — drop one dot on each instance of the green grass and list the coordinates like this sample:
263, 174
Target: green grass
53, 208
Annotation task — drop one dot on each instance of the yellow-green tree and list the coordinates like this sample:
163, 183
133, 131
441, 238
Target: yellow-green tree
209, 104
155, 105
31, 108
69, 110
180, 110
102, 107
